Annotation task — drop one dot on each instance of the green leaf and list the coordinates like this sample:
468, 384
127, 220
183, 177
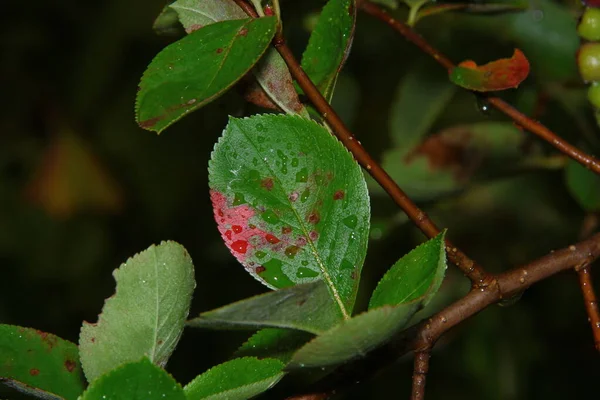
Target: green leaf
195, 70
167, 23
416, 276
584, 186
505, 73
329, 44
307, 307
353, 338
139, 380
421, 96
238, 379
146, 315
291, 204
274, 343
406, 288
271, 72
195, 14
39, 363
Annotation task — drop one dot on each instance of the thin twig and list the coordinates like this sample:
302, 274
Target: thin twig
470, 268
591, 304
421, 367
527, 123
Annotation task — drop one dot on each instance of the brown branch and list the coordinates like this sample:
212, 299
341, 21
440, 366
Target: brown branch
527, 123
420, 374
591, 304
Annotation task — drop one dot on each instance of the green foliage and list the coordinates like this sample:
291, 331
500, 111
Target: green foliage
195, 70
146, 315
584, 185
274, 343
140, 380
39, 363
237, 379
307, 307
291, 204
329, 44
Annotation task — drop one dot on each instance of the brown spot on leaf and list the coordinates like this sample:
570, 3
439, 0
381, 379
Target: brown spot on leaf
313, 235
314, 217
301, 302
219, 50
293, 196
267, 183
93, 340
149, 123
286, 229
260, 269
70, 365
339, 194
34, 372
48, 339
159, 342
243, 32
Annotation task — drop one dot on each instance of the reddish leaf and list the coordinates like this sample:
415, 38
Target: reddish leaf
502, 74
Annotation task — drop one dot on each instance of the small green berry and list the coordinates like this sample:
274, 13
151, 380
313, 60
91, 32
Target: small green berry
594, 94
588, 59
589, 26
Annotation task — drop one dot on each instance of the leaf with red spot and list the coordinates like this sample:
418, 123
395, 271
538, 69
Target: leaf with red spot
291, 204
502, 74
39, 363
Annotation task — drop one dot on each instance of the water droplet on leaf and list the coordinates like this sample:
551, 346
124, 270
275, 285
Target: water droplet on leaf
302, 175
304, 272
350, 221
270, 217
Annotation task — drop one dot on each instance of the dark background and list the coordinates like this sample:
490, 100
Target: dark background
82, 188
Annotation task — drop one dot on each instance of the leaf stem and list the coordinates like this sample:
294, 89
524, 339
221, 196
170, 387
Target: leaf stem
527, 123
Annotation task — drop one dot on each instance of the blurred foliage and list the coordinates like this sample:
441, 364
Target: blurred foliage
69, 75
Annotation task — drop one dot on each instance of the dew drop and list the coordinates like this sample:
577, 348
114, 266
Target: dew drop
483, 106
240, 246
272, 239
260, 254
238, 199
304, 195
260, 139
302, 175
273, 274
350, 221
286, 230
253, 175
304, 272
291, 251
295, 162
228, 234
346, 264
236, 229
261, 128
270, 217
305, 263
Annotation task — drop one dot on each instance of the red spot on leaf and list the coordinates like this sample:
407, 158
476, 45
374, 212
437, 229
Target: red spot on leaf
34, 372
313, 235
260, 269
267, 183
293, 196
228, 234
314, 217
48, 339
338, 195
240, 246
501, 74
219, 50
236, 228
70, 365
271, 239
268, 11
149, 123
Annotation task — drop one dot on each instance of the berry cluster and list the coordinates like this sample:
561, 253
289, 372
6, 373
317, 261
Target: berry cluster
588, 57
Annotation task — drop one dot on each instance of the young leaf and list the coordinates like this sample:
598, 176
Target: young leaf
274, 343
502, 74
584, 186
139, 380
291, 204
195, 70
195, 14
238, 379
146, 315
307, 307
39, 363
329, 44
354, 337
416, 276
407, 287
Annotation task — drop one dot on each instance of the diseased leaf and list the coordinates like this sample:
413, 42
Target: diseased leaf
238, 379
584, 186
139, 380
307, 307
145, 316
274, 343
354, 337
416, 276
329, 44
195, 14
501, 74
39, 363
291, 204
195, 70
271, 72
406, 288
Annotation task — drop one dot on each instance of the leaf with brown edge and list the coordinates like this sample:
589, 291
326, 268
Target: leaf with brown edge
502, 74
